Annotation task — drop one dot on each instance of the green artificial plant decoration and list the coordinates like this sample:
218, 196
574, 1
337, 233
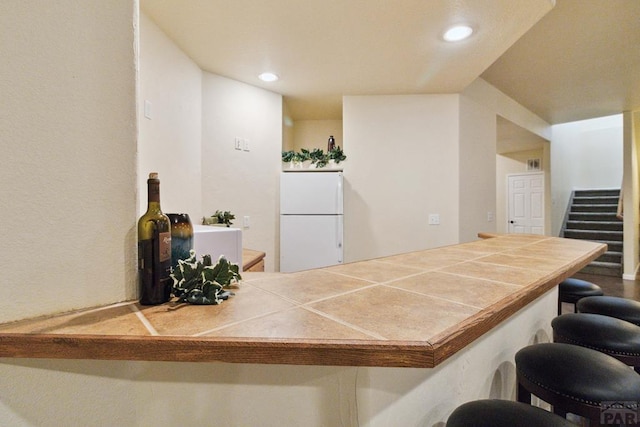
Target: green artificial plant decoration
219, 217
200, 282
336, 154
288, 156
316, 156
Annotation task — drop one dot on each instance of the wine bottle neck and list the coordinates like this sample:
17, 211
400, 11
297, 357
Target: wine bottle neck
153, 194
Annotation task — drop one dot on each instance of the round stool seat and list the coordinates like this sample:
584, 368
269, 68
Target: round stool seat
574, 379
499, 413
621, 308
609, 335
572, 290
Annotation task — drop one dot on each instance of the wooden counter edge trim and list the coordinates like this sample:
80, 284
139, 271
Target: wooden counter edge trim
251, 257
486, 235
231, 350
450, 342
280, 351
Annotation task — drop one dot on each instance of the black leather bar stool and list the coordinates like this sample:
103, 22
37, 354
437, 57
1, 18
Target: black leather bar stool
503, 413
572, 290
621, 308
575, 379
608, 335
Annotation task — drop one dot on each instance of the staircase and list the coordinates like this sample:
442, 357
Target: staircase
592, 216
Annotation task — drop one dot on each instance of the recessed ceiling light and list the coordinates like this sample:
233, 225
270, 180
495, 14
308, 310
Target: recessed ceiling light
268, 77
457, 33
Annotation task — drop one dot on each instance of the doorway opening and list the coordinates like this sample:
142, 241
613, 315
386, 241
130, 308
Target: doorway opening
521, 152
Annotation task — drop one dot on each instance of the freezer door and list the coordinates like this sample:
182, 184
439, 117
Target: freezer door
310, 241
314, 193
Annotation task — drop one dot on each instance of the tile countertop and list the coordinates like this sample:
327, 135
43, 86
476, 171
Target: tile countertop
410, 310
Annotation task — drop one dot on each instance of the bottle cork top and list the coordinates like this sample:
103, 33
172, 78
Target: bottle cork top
153, 175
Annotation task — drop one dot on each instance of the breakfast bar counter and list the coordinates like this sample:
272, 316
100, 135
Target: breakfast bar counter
412, 310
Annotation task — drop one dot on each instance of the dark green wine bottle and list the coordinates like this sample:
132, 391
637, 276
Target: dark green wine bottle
154, 249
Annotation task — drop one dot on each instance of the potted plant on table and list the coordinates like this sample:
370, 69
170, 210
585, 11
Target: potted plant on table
201, 282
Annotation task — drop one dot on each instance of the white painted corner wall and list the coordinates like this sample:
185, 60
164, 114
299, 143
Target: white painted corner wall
312, 134
68, 164
190, 140
631, 190
585, 154
246, 183
402, 165
170, 118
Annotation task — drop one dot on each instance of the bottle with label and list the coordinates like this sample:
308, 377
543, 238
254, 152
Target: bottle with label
181, 237
154, 249
331, 144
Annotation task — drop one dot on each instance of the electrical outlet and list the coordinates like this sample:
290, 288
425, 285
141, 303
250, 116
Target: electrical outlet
245, 221
489, 216
434, 219
237, 143
245, 145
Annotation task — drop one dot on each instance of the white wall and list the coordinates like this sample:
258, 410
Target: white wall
287, 128
586, 154
169, 141
477, 192
312, 134
486, 103
246, 183
631, 191
402, 166
68, 164
189, 140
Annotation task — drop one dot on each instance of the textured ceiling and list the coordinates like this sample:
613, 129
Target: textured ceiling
324, 49
582, 60
577, 60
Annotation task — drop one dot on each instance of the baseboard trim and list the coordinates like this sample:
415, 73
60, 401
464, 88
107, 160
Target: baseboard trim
630, 276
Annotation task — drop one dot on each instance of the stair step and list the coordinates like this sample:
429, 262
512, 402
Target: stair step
615, 257
611, 245
596, 192
607, 200
603, 269
614, 236
594, 208
593, 216
595, 225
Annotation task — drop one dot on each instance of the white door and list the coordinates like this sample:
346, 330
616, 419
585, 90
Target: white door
526, 203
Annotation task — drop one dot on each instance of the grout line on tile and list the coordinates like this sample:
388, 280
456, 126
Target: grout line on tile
341, 294
351, 277
144, 320
411, 291
513, 266
237, 322
347, 324
484, 278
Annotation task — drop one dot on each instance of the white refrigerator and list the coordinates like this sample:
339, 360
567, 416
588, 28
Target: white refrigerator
311, 226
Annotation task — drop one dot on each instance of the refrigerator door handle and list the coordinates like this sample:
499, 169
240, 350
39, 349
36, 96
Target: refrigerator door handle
339, 231
339, 196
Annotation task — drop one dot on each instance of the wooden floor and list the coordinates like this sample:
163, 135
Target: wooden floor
614, 286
